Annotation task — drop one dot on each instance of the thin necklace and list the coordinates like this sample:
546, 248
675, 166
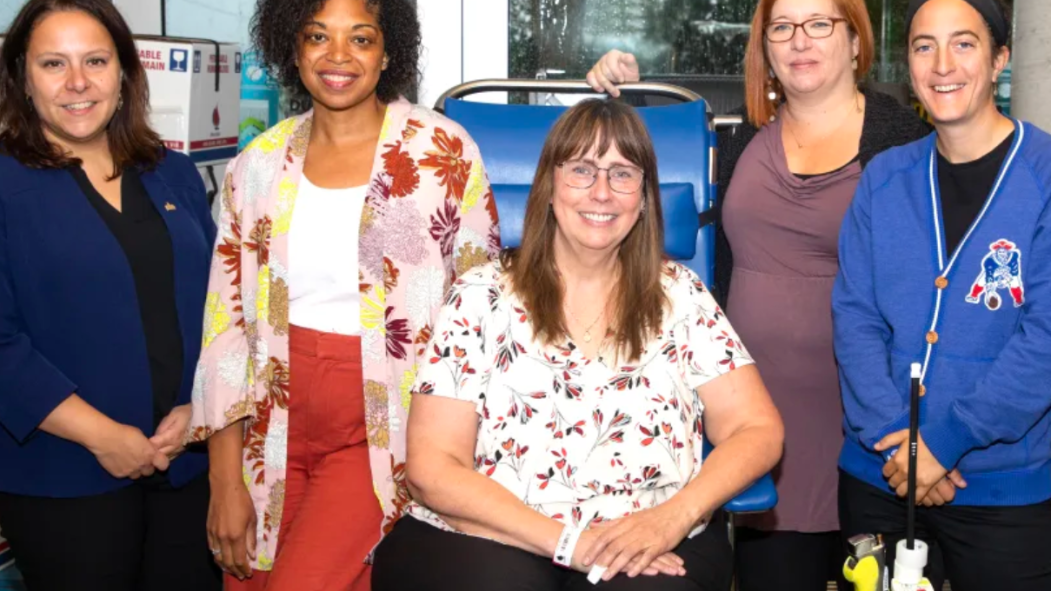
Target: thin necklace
587, 331
791, 130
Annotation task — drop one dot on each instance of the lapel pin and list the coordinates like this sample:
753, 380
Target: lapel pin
169, 206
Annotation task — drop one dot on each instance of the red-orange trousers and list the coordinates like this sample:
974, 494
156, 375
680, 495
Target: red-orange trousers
331, 517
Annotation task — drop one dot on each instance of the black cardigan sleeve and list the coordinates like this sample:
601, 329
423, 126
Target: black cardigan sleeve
731, 144
887, 124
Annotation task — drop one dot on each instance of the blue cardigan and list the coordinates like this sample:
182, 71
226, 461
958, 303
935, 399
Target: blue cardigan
69, 320
978, 320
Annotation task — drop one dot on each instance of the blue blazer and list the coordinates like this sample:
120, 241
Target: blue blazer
69, 320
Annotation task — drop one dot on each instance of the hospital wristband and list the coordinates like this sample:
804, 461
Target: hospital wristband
567, 544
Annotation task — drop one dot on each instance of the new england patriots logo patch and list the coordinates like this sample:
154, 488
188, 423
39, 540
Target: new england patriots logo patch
1001, 269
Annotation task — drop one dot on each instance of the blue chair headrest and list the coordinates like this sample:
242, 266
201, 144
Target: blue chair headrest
510, 138
680, 217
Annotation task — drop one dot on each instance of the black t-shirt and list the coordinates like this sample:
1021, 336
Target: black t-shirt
964, 188
143, 236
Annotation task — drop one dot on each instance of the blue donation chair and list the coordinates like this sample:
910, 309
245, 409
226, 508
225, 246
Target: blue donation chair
510, 138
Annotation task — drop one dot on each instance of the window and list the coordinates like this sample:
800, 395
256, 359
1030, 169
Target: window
565, 37
694, 38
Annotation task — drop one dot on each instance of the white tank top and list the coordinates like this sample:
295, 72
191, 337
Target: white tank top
323, 285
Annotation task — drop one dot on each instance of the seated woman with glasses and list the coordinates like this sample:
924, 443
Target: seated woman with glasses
557, 420
785, 180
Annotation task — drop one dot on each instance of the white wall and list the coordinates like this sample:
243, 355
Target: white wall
8, 10
451, 56
221, 20
143, 16
442, 57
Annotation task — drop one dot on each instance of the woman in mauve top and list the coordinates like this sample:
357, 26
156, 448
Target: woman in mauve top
786, 178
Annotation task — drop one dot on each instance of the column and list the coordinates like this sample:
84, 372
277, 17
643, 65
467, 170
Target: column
1031, 63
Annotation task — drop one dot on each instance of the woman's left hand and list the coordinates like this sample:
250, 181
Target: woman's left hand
632, 543
171, 433
928, 471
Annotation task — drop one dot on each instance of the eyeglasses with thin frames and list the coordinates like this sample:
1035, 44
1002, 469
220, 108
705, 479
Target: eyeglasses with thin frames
578, 174
815, 28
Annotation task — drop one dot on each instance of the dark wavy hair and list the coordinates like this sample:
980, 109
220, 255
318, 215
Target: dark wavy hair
132, 143
277, 44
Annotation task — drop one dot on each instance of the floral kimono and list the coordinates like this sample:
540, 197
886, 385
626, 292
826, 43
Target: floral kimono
429, 217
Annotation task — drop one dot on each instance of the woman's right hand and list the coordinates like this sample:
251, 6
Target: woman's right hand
616, 67
232, 527
669, 563
125, 452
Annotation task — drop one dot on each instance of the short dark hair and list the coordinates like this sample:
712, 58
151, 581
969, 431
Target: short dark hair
132, 142
401, 38
1007, 10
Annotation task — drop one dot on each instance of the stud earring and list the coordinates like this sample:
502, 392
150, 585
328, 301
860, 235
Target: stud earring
120, 100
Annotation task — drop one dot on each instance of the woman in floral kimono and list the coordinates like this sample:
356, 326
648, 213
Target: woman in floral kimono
340, 231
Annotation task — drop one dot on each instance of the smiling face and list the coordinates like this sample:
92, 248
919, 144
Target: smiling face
340, 54
595, 220
73, 77
803, 64
951, 61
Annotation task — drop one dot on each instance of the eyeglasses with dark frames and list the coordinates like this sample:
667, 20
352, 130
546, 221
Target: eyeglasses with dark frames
815, 28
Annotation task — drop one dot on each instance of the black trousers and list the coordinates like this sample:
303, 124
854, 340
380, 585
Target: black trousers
789, 560
145, 537
439, 561
975, 548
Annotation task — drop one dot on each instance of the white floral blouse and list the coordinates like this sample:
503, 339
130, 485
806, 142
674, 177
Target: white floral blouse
576, 439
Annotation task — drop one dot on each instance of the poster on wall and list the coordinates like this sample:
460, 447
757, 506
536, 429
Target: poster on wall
263, 102
260, 100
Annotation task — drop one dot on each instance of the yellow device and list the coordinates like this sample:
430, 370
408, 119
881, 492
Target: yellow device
864, 573
865, 567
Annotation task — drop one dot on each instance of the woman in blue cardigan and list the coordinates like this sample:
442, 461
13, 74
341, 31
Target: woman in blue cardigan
105, 241
944, 261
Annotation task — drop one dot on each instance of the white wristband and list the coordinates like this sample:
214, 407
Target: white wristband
567, 543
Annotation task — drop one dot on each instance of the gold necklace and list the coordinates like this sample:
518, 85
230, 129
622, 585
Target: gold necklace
587, 331
588, 335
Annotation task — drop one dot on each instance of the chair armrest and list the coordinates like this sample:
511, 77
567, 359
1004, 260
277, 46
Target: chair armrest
760, 497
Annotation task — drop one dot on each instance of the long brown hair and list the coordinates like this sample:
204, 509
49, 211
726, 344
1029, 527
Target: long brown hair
131, 140
638, 296
757, 65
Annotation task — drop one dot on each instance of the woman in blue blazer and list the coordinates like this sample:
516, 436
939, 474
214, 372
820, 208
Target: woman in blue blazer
105, 242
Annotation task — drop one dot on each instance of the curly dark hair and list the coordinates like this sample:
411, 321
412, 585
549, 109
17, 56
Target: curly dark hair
398, 22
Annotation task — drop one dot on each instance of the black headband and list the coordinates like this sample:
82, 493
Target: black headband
991, 10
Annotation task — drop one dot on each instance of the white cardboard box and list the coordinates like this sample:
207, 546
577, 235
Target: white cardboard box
195, 95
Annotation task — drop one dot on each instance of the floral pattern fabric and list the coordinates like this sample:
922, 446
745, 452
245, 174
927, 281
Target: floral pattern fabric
579, 440
429, 216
